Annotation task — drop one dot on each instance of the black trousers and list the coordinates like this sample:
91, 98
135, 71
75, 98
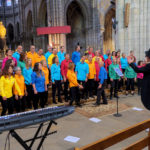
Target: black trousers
39, 97
96, 84
66, 85
139, 85
29, 98
56, 86
20, 104
101, 92
7, 105
90, 87
74, 95
130, 84
114, 87
84, 91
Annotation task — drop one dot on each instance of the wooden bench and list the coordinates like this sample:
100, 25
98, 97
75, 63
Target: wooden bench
123, 135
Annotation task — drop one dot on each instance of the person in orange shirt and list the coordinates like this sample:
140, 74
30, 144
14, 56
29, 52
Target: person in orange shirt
39, 57
32, 54
92, 76
20, 101
46, 73
74, 85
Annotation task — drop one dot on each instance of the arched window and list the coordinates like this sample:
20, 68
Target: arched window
8, 3
0, 3
17, 1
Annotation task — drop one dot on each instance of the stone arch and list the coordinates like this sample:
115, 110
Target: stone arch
76, 17
30, 28
109, 33
10, 36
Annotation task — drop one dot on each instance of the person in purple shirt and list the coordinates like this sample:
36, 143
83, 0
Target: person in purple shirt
101, 87
76, 55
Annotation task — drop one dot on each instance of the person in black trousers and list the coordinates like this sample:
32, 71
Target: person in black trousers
56, 79
145, 93
102, 84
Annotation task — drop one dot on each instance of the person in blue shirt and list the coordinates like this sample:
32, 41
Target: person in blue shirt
82, 71
106, 55
48, 53
39, 86
76, 55
61, 54
124, 62
56, 79
17, 53
101, 87
27, 72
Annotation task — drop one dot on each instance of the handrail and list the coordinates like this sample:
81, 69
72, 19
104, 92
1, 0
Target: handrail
120, 136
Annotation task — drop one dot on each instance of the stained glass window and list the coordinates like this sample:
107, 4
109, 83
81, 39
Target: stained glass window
8, 2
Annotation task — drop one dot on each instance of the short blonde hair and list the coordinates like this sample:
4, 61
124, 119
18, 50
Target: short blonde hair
71, 66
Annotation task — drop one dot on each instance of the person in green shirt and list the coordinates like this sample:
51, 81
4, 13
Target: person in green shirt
114, 78
21, 62
130, 77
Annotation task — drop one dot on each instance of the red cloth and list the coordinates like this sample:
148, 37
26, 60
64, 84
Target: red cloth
102, 57
97, 70
64, 67
108, 62
53, 30
91, 54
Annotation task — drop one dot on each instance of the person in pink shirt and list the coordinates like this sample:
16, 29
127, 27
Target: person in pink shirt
140, 77
97, 66
9, 56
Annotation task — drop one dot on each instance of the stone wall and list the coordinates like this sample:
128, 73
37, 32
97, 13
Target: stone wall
137, 35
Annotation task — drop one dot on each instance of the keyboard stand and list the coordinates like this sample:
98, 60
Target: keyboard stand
42, 137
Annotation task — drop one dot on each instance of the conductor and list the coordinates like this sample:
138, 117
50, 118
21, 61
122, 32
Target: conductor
145, 92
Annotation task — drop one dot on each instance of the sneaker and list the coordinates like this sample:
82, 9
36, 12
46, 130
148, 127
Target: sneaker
78, 105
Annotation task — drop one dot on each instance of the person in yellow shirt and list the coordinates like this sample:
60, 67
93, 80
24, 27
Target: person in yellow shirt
46, 73
7, 83
32, 54
96, 56
92, 75
39, 57
20, 101
74, 85
50, 58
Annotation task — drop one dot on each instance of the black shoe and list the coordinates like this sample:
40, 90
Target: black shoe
97, 104
105, 103
116, 96
78, 105
110, 97
60, 101
54, 102
66, 100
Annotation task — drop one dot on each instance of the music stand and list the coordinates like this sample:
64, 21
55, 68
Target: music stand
32, 140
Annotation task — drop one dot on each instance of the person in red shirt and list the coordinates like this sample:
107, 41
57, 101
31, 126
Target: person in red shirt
91, 51
64, 69
97, 67
108, 62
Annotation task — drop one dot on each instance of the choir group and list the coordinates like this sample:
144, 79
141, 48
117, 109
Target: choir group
26, 76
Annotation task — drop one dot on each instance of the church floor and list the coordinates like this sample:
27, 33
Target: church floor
78, 125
